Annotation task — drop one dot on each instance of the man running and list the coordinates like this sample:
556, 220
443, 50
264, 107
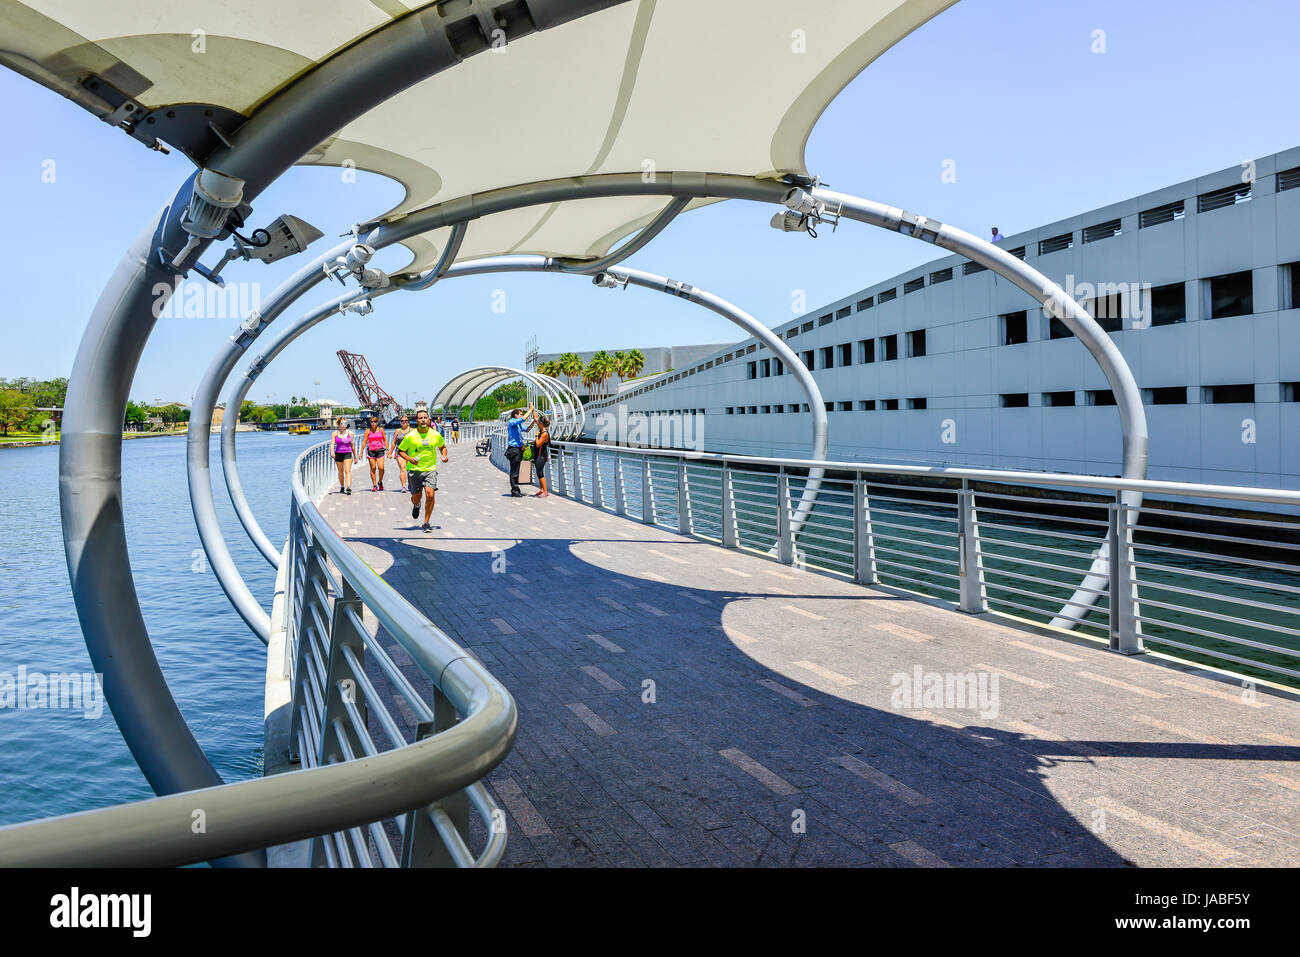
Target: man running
398, 434
420, 449
515, 429
376, 442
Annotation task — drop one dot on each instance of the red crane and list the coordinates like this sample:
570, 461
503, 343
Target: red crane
369, 394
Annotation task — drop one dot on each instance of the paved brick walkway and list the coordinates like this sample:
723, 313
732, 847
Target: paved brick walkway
681, 704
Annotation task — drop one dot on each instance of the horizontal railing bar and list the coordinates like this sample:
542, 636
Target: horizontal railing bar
909, 541
984, 555
1040, 517
900, 551
917, 568
1231, 539
1091, 539
1226, 559
1035, 479
1035, 611
1071, 586
1224, 656
985, 540
916, 581
1147, 584
1204, 613
1227, 579
1231, 639
1032, 594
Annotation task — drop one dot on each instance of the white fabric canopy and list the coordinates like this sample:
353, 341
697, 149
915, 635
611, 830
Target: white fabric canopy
648, 86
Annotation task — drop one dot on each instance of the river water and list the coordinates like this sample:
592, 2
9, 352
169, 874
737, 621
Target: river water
57, 761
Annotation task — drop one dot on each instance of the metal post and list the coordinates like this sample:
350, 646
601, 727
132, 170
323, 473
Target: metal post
784, 536
728, 509
647, 493
597, 487
313, 575
683, 500
1125, 630
620, 502
969, 572
561, 464
577, 475
864, 546
422, 845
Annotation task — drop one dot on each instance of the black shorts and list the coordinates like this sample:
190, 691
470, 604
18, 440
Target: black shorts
418, 481
342, 456
375, 453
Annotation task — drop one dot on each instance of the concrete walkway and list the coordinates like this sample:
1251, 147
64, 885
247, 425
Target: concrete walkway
682, 704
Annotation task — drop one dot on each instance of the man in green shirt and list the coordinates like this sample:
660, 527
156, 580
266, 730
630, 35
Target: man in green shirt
420, 450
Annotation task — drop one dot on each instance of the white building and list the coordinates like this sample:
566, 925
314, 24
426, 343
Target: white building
950, 364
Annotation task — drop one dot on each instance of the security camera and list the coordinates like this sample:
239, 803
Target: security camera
802, 202
353, 262
286, 236
363, 307
790, 222
608, 280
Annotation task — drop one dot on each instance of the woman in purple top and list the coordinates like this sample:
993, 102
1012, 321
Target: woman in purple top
344, 450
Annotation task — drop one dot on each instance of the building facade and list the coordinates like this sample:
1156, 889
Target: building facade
949, 364
658, 360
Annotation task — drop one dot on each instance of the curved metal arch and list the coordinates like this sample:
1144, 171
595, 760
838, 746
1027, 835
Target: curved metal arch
468, 387
345, 86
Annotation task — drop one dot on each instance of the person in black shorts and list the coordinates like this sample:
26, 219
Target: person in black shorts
541, 451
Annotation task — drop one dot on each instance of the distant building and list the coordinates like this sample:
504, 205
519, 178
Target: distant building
658, 359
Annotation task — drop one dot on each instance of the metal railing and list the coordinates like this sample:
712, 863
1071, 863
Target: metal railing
328, 643
348, 788
1217, 587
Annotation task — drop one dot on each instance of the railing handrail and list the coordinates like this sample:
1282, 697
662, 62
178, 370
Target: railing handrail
295, 805
1244, 493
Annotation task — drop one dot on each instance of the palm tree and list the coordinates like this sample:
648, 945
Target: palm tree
633, 363
601, 368
570, 366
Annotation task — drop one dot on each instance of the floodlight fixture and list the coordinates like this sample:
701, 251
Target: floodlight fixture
212, 197
609, 280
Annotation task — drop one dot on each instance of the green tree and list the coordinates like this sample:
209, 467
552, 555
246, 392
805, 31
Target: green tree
135, 414
571, 367
248, 411
599, 370
633, 363
268, 416
15, 408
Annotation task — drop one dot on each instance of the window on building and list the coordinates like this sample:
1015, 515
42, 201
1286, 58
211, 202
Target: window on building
1108, 310
728, 357
751, 370
1056, 329
830, 406
888, 347
969, 269
1288, 179
1015, 400
1291, 391
1058, 398
1289, 293
825, 320
916, 343
1167, 304
1055, 244
751, 349
753, 410
764, 368
778, 367
940, 275
1018, 252
914, 285
867, 405
1106, 230
731, 410
887, 295
806, 327
866, 350
1228, 295
1160, 214
767, 410
917, 403
779, 409
1228, 394
827, 358
807, 358
889, 405
844, 406
1015, 327
846, 353
740, 410
1219, 198
1100, 397
1168, 395
792, 332
866, 303
842, 313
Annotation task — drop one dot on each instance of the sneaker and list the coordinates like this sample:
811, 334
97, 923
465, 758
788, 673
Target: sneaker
415, 511
426, 527
538, 494
381, 486
343, 490
543, 494
374, 488
348, 490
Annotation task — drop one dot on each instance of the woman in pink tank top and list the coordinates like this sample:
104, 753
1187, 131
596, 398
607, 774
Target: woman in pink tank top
376, 440
344, 451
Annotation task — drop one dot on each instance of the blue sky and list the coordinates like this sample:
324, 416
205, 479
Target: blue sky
1039, 127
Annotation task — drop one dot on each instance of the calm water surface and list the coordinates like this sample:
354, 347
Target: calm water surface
55, 762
